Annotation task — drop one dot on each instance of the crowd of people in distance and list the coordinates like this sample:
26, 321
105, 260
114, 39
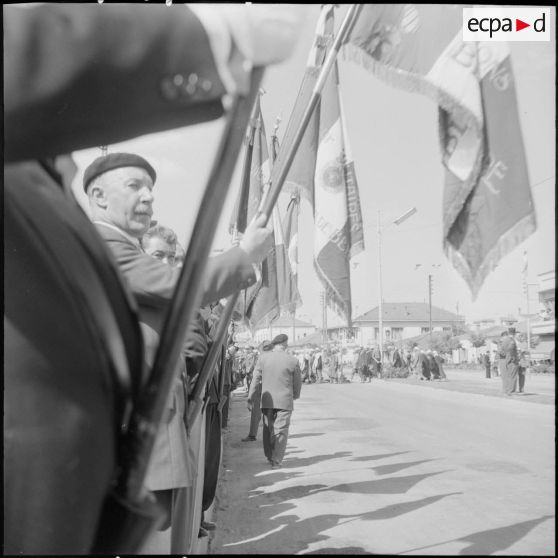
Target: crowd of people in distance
336, 365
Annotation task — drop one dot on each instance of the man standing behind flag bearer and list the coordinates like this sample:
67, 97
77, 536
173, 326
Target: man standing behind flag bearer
254, 399
280, 379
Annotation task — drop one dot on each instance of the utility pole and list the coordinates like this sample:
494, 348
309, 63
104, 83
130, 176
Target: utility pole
324, 317
430, 307
380, 310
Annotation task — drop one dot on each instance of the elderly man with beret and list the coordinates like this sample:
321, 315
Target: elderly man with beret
79, 76
280, 378
120, 191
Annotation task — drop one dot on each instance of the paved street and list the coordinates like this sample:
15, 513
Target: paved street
394, 467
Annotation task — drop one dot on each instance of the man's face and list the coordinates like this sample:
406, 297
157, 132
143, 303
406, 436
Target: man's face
159, 248
129, 199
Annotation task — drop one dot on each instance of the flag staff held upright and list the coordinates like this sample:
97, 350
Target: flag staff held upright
346, 26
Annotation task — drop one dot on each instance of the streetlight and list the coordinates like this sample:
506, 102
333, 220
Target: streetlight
397, 221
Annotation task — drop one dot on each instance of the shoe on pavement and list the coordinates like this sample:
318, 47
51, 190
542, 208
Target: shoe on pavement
249, 439
208, 525
275, 465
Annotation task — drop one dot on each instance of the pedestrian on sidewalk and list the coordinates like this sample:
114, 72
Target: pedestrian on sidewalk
440, 363
254, 399
486, 361
522, 370
279, 375
510, 358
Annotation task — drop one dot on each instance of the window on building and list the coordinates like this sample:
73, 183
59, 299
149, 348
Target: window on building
397, 333
424, 330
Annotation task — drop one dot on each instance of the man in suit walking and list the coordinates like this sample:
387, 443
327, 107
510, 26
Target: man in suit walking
281, 380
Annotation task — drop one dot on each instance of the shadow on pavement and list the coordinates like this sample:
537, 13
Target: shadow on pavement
306, 461
491, 541
395, 510
396, 467
303, 533
379, 456
343, 550
390, 485
306, 435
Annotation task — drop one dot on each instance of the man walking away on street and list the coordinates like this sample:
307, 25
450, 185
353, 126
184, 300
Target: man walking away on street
280, 378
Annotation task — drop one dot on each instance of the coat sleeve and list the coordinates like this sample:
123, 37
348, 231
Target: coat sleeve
77, 76
256, 381
153, 282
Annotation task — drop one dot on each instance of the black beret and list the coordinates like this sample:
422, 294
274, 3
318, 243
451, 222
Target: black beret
115, 161
278, 339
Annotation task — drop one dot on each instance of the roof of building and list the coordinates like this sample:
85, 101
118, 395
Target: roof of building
316, 338
408, 312
287, 321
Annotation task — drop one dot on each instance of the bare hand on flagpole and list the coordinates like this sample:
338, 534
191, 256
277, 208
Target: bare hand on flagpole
257, 240
264, 33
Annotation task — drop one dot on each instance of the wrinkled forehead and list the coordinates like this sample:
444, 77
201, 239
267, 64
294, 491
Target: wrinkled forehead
125, 175
157, 244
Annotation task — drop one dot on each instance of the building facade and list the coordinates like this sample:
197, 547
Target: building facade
286, 325
402, 320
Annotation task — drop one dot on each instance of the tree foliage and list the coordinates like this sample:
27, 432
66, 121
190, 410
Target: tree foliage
477, 339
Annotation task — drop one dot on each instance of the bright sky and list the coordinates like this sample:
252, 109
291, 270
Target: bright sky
394, 140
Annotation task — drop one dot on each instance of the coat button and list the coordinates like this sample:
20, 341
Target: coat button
206, 85
190, 88
169, 89
178, 80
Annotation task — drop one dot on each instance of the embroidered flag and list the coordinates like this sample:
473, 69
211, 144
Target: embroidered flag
324, 174
487, 207
291, 300
262, 303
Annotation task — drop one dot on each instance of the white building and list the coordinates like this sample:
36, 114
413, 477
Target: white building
286, 325
545, 325
401, 320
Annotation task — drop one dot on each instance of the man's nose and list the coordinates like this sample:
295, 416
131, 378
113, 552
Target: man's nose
146, 195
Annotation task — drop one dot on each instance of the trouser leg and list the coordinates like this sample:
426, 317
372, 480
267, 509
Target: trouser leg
225, 409
281, 434
212, 454
521, 378
268, 417
255, 418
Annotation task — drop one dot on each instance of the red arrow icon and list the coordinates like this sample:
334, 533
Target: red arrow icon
519, 25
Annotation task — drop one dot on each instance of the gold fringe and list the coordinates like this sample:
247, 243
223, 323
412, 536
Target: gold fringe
333, 298
506, 243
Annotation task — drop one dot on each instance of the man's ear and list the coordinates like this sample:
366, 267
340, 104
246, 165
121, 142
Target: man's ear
98, 196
